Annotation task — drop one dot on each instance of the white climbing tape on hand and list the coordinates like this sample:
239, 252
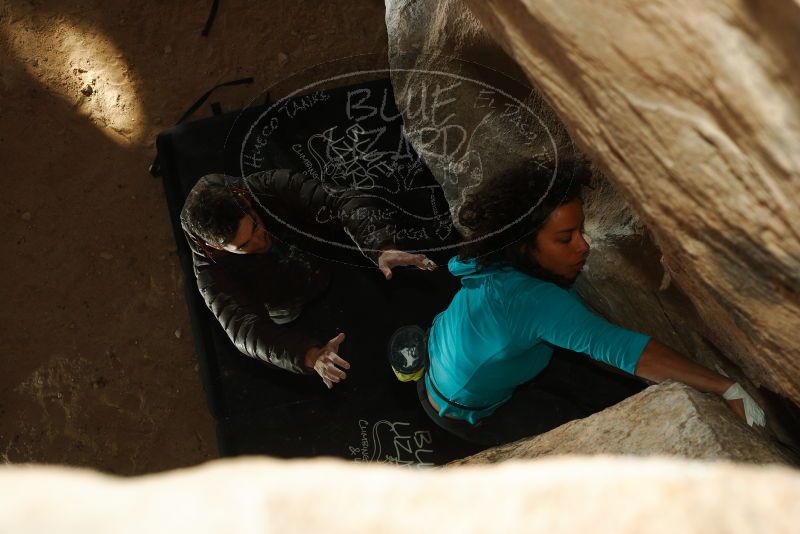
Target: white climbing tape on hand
326, 367
752, 411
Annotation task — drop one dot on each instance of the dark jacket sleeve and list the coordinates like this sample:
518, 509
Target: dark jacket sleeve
303, 194
245, 319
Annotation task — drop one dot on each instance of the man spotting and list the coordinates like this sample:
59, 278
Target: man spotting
255, 278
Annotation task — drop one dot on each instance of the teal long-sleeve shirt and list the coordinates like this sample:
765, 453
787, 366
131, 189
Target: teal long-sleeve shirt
498, 332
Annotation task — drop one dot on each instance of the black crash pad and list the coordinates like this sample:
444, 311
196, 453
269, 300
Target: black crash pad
258, 410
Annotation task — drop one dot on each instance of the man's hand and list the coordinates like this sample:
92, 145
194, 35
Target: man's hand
389, 259
325, 361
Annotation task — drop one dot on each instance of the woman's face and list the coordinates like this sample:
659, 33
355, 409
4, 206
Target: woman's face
560, 246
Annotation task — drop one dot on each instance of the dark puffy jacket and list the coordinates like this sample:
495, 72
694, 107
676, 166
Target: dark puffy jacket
240, 288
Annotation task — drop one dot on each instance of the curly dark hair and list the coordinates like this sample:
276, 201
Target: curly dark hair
213, 211
503, 211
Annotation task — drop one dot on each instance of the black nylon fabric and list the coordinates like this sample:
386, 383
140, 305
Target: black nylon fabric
237, 287
262, 410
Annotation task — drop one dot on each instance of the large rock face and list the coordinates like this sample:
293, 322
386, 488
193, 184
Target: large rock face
566, 495
628, 278
667, 419
692, 111
467, 108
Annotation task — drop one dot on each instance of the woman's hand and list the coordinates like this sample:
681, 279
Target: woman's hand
326, 362
659, 362
744, 406
389, 259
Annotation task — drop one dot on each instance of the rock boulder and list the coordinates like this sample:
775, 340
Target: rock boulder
692, 111
669, 419
256, 495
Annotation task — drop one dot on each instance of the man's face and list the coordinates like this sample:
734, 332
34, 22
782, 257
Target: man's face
251, 236
560, 245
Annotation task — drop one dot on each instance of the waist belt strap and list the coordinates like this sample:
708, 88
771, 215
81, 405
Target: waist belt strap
454, 403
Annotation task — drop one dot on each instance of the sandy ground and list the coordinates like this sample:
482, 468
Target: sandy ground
98, 363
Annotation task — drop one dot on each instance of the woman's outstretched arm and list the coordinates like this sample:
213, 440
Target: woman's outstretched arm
569, 324
659, 362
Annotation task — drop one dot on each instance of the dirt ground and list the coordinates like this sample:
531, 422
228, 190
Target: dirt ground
98, 362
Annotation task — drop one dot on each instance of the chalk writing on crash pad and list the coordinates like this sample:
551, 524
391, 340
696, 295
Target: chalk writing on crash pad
392, 442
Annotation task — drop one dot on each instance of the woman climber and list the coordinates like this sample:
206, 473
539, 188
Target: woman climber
507, 358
